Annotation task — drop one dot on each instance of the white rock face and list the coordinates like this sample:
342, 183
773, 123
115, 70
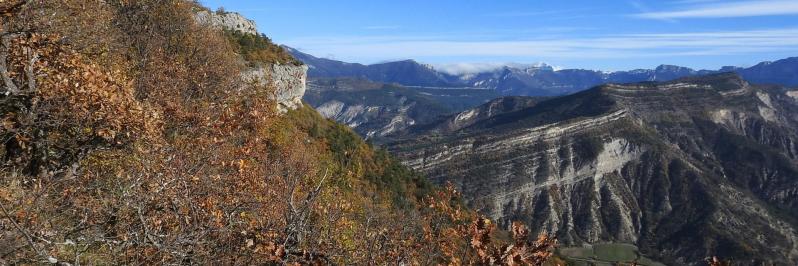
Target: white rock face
769, 114
466, 115
288, 82
732, 120
330, 109
372, 121
231, 21
397, 122
765, 98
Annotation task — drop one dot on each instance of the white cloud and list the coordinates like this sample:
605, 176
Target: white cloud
467, 68
478, 67
728, 10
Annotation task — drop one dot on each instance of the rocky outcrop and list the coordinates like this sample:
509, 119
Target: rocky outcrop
227, 20
289, 82
684, 170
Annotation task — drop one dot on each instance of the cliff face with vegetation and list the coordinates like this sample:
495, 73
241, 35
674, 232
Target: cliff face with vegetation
269, 65
129, 137
684, 170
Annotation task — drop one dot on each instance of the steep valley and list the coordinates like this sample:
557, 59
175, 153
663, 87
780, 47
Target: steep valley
163, 132
684, 169
376, 110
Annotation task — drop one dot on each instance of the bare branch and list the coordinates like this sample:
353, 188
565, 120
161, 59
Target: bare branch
146, 230
20, 229
29, 71
9, 83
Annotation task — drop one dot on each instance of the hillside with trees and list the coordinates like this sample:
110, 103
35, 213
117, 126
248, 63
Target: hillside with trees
128, 137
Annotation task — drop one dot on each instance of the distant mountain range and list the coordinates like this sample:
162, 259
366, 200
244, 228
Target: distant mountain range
407, 72
538, 80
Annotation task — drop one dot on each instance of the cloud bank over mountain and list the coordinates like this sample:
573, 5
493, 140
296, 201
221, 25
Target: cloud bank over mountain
479, 67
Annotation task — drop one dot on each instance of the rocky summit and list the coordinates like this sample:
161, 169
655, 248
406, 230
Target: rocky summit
227, 20
683, 170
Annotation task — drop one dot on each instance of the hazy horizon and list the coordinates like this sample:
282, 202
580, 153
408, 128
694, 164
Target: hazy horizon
616, 35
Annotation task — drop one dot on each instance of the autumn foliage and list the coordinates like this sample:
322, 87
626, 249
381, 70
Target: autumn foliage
464, 237
714, 261
129, 138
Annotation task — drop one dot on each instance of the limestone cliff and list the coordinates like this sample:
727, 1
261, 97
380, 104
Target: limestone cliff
288, 80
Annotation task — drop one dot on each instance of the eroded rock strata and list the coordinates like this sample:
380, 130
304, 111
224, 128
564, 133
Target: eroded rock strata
684, 170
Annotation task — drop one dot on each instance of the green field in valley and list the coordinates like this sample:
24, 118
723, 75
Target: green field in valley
605, 254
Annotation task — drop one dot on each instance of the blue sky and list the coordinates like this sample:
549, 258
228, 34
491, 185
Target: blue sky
602, 35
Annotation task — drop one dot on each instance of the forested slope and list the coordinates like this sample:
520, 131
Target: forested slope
129, 137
